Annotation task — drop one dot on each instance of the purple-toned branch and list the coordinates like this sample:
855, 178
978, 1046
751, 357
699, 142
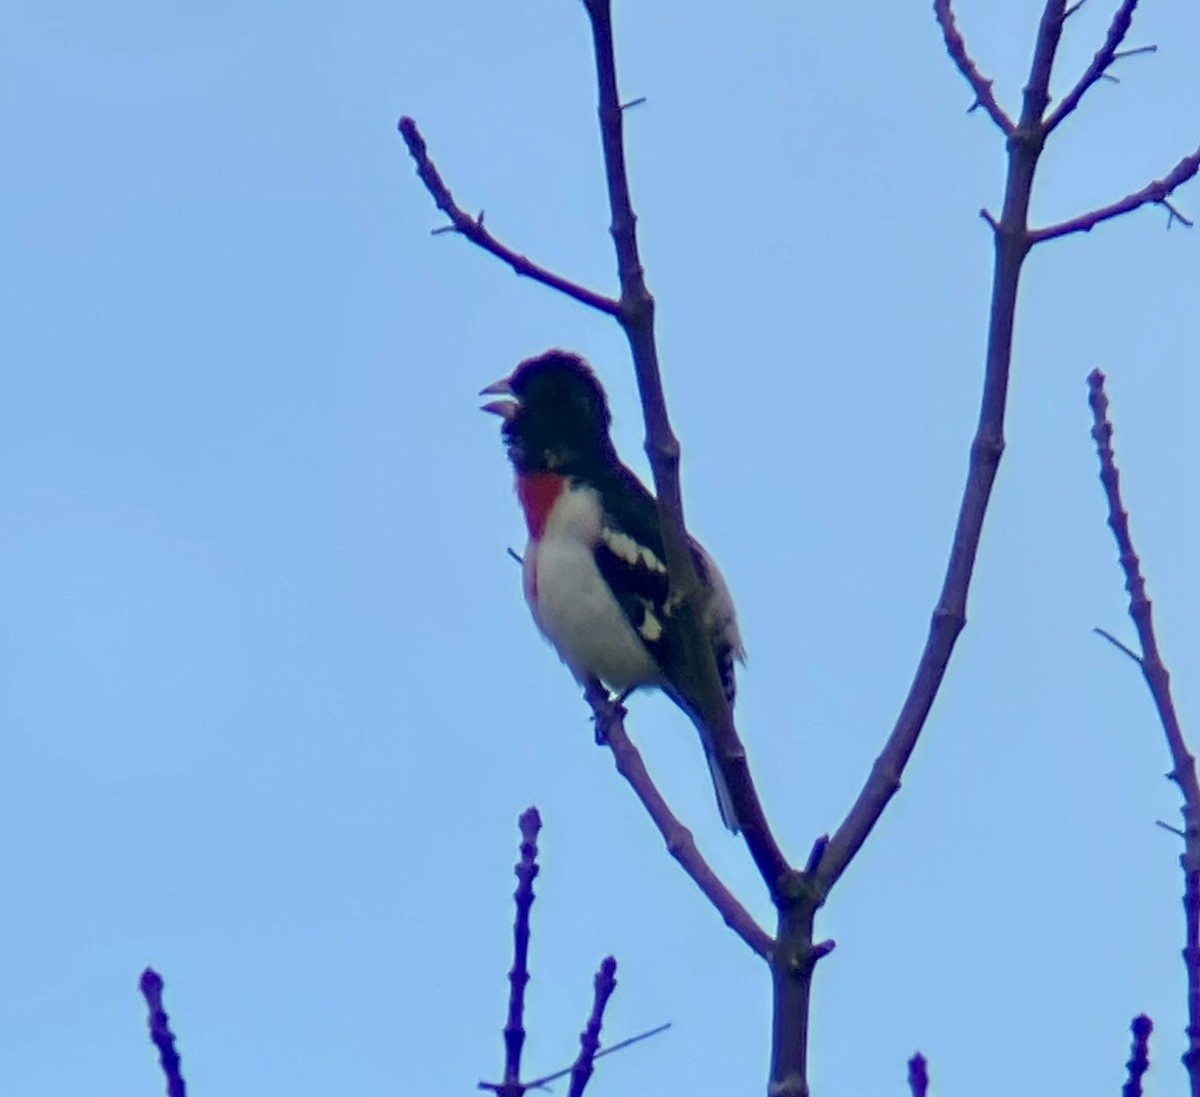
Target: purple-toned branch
980, 84
530, 823
1139, 1057
589, 1039
472, 228
1105, 56
679, 840
1011, 238
151, 986
662, 447
1156, 192
918, 1075
1158, 680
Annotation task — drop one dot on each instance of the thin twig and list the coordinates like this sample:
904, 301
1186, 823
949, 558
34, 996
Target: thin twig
472, 228
1139, 1057
589, 1039
918, 1075
1157, 191
1158, 680
526, 871
1136, 51
1105, 55
679, 840
151, 986
620, 1045
1118, 645
980, 85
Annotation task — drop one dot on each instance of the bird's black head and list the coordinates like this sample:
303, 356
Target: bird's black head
557, 416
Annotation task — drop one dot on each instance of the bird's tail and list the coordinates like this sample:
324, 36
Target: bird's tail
724, 799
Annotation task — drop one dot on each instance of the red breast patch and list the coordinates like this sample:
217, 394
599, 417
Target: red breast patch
538, 492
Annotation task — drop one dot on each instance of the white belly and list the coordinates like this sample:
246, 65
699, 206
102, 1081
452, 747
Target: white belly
573, 606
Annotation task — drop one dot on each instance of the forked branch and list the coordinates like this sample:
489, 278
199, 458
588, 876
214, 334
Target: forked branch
1119, 27
662, 447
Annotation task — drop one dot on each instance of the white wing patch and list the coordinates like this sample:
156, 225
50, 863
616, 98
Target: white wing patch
625, 547
651, 629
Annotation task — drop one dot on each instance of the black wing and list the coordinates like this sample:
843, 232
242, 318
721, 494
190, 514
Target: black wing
631, 558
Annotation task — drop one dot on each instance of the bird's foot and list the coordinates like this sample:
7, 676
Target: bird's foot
606, 710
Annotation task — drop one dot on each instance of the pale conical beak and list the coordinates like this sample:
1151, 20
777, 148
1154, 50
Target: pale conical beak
506, 409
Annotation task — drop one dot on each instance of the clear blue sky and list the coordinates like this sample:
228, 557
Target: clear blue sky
270, 698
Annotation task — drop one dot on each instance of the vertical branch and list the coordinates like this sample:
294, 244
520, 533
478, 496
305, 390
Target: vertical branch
526, 870
1158, 680
637, 321
151, 986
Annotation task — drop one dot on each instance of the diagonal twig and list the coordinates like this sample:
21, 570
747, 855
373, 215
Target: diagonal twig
1158, 680
1118, 645
589, 1039
679, 840
151, 986
472, 228
956, 46
1156, 192
620, 1045
1105, 56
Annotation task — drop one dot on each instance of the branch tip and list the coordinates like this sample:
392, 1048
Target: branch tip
918, 1075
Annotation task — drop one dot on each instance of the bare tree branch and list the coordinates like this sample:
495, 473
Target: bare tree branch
1139, 1057
1157, 192
151, 986
472, 228
589, 1039
1105, 56
980, 85
679, 840
798, 895
636, 317
1011, 238
530, 823
1158, 680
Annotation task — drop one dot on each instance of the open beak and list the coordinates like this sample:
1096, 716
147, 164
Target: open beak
506, 409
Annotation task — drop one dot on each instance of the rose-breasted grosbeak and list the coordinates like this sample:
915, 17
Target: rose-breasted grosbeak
594, 571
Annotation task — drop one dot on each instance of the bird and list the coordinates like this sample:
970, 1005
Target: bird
593, 570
